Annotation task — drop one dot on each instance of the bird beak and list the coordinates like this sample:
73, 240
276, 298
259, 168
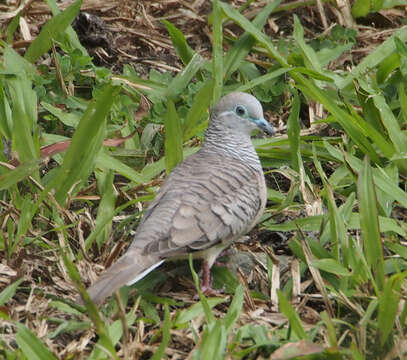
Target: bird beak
265, 126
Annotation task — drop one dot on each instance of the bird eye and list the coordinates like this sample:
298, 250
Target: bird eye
240, 110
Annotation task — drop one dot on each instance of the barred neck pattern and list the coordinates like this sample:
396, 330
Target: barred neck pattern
237, 145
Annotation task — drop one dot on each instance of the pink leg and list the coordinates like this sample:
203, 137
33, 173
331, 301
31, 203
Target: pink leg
206, 284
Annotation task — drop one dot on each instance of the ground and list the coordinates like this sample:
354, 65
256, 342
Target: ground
131, 33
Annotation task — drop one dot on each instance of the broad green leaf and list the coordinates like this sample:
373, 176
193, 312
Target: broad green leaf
361, 8
398, 249
69, 119
331, 266
16, 64
52, 30
173, 138
85, 146
387, 66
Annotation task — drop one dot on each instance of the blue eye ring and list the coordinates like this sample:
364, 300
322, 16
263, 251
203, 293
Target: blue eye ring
240, 110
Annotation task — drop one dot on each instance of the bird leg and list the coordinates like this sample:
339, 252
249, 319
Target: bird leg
206, 276
206, 284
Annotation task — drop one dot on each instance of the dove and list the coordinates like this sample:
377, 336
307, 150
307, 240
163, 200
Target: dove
211, 199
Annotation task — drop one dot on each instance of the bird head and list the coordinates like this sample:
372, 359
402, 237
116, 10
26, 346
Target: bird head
240, 112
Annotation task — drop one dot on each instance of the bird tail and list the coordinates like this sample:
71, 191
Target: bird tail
130, 268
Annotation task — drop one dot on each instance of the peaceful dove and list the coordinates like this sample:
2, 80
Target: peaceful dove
208, 201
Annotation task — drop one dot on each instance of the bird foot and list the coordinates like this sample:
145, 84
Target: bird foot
210, 291
206, 284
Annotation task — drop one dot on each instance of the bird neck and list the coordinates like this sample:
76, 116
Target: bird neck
227, 142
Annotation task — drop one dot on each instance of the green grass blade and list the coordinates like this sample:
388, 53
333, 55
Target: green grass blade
107, 162
104, 337
6, 122
184, 51
7, 293
173, 138
391, 124
308, 53
12, 27
31, 346
217, 50
293, 131
260, 80
198, 110
196, 310
350, 124
181, 81
86, 144
235, 309
22, 136
331, 266
389, 305
245, 43
369, 223
107, 204
374, 58
12, 177
70, 32
16, 64
291, 315
166, 327
381, 178
52, 30
337, 223
213, 342
250, 28
402, 100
